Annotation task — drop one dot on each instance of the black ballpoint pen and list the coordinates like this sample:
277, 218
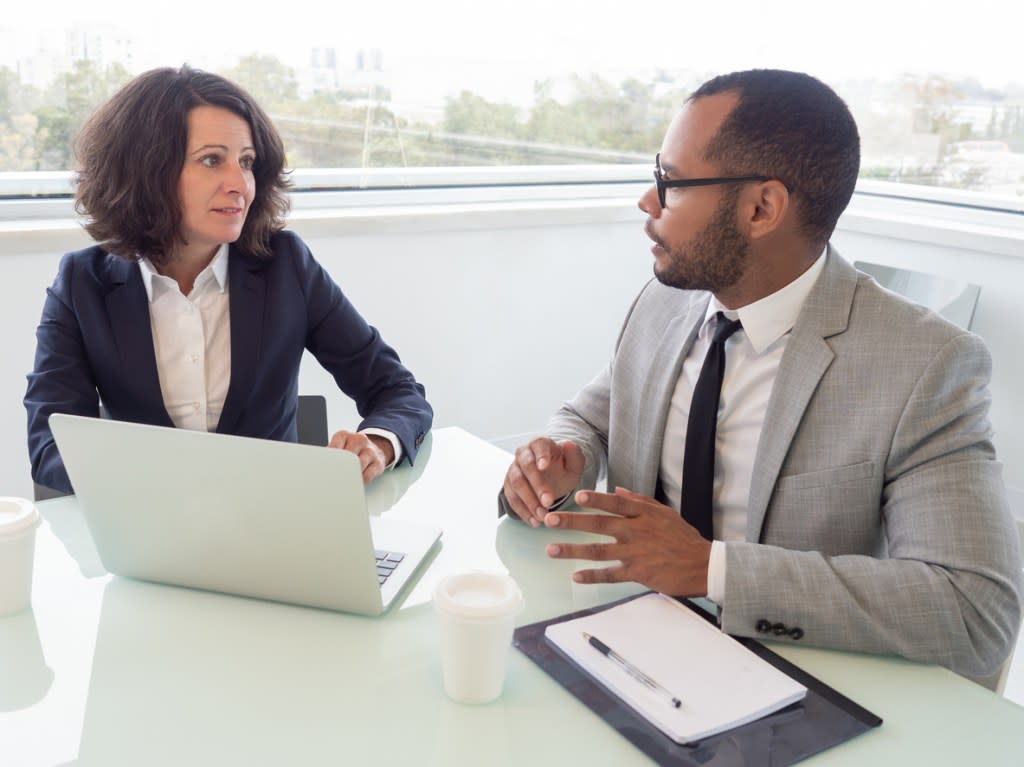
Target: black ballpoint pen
630, 669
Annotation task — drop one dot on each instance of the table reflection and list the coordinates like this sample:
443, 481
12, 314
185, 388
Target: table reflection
24, 676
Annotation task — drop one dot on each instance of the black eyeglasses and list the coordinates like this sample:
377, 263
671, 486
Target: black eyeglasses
664, 183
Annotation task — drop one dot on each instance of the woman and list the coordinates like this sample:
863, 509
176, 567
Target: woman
195, 306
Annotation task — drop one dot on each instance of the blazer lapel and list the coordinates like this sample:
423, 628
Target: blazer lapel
247, 299
128, 309
806, 358
659, 385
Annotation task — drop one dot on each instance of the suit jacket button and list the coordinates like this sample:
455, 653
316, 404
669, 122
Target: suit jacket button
779, 629
763, 626
796, 633
419, 439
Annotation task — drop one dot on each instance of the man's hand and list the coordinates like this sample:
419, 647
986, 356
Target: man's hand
374, 452
542, 472
652, 542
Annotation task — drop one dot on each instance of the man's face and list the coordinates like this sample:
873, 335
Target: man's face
697, 243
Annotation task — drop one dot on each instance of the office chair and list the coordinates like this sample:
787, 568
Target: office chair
956, 301
997, 682
310, 421
953, 299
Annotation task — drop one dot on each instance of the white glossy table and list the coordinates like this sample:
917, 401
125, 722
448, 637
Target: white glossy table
109, 671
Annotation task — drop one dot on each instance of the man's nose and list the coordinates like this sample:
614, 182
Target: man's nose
649, 203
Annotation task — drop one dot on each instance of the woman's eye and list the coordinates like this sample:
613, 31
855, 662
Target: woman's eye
210, 160
247, 163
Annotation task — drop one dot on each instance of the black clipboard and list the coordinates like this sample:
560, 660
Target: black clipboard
824, 718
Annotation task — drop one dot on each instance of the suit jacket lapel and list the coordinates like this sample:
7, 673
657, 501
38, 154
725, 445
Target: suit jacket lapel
659, 385
247, 298
807, 356
128, 309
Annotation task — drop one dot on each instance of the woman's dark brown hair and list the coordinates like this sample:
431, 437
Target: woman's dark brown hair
131, 152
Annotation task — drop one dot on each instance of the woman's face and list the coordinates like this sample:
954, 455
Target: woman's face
216, 185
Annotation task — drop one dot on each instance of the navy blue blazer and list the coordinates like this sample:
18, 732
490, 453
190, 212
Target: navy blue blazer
95, 342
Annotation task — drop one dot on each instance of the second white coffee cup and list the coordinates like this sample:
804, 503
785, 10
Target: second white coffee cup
476, 615
19, 519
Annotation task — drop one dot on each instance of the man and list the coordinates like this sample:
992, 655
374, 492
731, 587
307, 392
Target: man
852, 491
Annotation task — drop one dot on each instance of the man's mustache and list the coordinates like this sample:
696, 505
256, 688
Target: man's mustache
649, 231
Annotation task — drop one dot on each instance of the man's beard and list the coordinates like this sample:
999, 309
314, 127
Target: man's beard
714, 259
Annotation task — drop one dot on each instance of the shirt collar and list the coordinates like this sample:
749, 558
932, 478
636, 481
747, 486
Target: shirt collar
767, 320
155, 283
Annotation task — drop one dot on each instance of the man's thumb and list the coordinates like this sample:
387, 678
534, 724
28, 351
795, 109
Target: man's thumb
572, 457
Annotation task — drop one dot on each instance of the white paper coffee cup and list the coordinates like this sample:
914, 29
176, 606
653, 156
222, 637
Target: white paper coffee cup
476, 615
18, 522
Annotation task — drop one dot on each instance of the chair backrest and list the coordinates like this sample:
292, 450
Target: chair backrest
997, 682
44, 493
953, 299
956, 301
310, 421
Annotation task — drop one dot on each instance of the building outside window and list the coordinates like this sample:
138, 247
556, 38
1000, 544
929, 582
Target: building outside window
453, 83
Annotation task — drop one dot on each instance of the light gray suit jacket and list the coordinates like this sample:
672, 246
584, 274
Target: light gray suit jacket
877, 519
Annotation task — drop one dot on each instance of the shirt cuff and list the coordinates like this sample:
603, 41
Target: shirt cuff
560, 502
716, 573
390, 438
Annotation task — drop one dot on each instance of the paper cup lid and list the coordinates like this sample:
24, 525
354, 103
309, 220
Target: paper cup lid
478, 595
16, 516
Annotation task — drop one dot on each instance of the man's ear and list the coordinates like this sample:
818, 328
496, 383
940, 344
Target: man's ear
766, 207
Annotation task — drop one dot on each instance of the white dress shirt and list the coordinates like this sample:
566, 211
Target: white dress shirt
192, 344
752, 357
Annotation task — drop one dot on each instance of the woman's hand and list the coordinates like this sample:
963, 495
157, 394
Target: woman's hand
375, 453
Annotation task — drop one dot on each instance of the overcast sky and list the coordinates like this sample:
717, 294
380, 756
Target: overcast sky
500, 47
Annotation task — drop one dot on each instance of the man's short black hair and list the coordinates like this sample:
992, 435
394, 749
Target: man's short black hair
793, 127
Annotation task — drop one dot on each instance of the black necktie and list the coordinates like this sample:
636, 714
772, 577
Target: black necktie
699, 458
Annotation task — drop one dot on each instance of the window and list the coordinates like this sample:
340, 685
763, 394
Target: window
411, 84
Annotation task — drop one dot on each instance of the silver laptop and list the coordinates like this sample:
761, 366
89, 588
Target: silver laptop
272, 520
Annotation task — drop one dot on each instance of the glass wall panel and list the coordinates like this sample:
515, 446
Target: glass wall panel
935, 86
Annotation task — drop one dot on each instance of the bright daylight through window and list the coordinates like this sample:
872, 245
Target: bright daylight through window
457, 83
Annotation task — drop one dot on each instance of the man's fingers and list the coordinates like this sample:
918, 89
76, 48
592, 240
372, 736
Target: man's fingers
594, 552
573, 457
629, 494
517, 507
534, 489
523, 487
538, 476
528, 459
546, 451
520, 496
621, 505
611, 574
588, 523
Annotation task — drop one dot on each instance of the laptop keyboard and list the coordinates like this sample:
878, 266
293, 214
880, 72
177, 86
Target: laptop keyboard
387, 561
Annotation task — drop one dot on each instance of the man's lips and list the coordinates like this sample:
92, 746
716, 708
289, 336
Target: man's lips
658, 246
